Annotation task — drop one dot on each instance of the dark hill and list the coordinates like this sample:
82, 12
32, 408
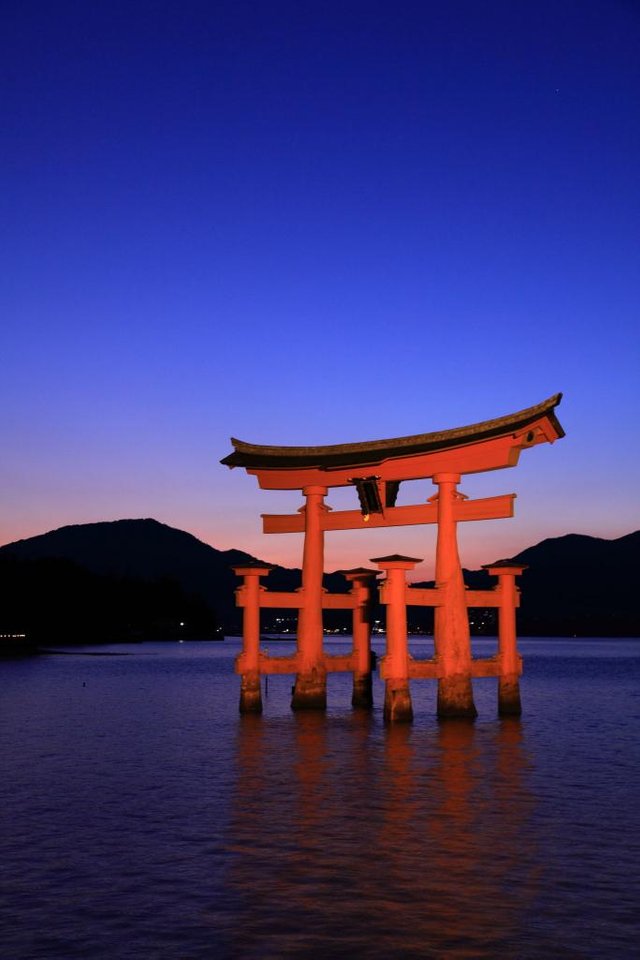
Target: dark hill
133, 557
574, 586
142, 578
581, 585
137, 550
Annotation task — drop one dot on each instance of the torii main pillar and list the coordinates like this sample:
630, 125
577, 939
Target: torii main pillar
310, 688
451, 636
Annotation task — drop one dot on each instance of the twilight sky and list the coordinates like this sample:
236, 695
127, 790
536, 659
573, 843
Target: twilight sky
303, 223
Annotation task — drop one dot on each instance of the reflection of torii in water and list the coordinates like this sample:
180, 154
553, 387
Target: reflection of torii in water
436, 857
376, 469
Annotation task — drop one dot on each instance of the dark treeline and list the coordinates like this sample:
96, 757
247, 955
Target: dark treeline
56, 600
139, 579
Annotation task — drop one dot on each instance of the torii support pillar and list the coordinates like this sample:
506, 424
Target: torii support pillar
360, 579
248, 663
395, 665
310, 688
451, 634
509, 704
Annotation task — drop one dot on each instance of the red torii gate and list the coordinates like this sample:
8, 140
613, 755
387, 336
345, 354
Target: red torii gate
376, 470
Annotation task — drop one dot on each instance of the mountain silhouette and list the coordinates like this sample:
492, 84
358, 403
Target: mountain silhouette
137, 562
574, 585
131, 579
581, 585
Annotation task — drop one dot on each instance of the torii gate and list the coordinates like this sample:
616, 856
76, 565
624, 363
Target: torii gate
376, 469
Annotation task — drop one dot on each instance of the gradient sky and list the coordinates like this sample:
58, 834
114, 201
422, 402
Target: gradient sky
304, 223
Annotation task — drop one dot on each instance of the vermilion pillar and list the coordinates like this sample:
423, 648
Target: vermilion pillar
394, 667
360, 579
310, 689
451, 621
509, 703
248, 663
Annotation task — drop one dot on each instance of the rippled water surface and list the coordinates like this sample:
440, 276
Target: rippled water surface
142, 817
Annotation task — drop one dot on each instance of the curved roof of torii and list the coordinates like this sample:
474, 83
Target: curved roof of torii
254, 456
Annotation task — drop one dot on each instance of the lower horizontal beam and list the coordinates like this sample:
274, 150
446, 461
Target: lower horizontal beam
423, 596
272, 599
339, 663
339, 601
275, 665
433, 669
424, 669
433, 597
275, 599
487, 598
486, 667
346, 663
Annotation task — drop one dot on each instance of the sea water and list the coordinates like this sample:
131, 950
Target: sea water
142, 817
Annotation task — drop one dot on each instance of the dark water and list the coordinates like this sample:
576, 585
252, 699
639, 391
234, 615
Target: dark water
142, 817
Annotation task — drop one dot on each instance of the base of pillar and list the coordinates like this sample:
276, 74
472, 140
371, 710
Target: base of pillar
250, 693
397, 702
455, 698
509, 704
310, 691
362, 696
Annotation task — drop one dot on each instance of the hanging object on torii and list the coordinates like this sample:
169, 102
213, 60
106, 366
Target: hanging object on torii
376, 469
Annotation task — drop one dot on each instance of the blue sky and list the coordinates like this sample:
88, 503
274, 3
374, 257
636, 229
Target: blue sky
307, 223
